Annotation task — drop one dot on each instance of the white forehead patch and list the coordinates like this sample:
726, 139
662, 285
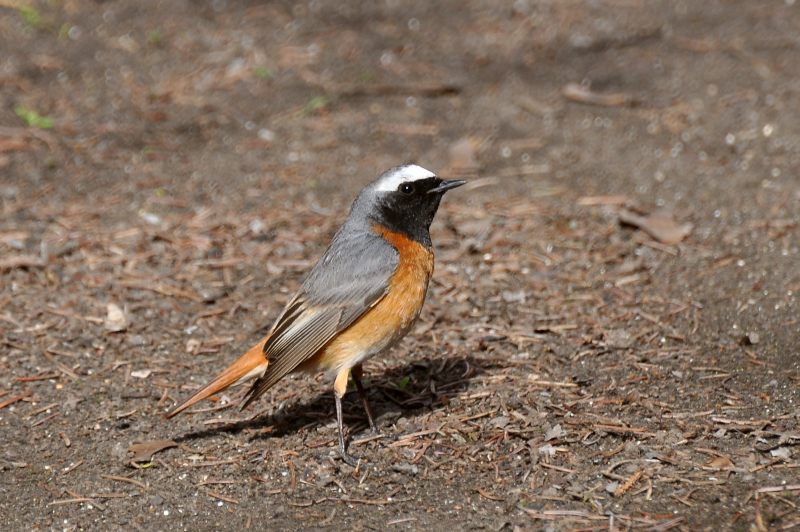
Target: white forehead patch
402, 174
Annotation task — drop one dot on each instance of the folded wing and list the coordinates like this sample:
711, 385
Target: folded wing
351, 277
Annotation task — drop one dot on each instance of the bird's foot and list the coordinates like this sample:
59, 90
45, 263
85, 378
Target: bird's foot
349, 459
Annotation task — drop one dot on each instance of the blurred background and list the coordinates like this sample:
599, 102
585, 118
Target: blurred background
612, 328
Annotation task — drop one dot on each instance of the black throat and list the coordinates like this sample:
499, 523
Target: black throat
411, 215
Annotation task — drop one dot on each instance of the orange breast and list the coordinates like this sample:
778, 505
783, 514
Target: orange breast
389, 320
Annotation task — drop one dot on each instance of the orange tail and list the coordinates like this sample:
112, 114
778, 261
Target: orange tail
251, 364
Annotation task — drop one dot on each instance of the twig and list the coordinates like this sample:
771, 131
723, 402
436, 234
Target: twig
76, 500
221, 497
581, 94
403, 520
73, 467
14, 399
419, 89
45, 419
621, 429
778, 489
135, 482
557, 468
628, 484
486, 495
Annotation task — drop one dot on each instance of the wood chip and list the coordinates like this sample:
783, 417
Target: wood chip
116, 320
20, 261
144, 451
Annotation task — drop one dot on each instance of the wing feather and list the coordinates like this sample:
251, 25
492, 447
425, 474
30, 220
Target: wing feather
351, 277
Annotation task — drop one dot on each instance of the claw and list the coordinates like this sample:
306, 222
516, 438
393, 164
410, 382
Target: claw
349, 459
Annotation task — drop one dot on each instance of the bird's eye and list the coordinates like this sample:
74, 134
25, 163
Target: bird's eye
407, 188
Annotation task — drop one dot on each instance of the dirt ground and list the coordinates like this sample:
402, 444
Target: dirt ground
168, 171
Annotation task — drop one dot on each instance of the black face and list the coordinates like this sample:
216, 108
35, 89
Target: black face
410, 209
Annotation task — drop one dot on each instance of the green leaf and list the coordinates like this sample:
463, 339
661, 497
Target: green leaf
263, 72
402, 383
31, 16
155, 38
32, 118
316, 103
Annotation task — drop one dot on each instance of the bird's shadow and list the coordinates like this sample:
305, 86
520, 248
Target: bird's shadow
419, 385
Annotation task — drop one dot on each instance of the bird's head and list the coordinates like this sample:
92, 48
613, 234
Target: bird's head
405, 199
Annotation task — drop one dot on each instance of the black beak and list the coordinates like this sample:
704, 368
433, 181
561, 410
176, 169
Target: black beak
446, 185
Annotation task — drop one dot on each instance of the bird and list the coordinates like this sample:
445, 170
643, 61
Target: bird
359, 299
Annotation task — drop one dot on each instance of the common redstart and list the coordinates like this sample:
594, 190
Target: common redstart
362, 296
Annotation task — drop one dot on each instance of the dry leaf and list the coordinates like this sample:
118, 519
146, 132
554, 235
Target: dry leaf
555, 433
784, 453
721, 462
659, 225
547, 450
500, 422
144, 451
115, 321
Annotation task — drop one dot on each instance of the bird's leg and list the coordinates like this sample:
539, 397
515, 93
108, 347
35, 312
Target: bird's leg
339, 389
358, 372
